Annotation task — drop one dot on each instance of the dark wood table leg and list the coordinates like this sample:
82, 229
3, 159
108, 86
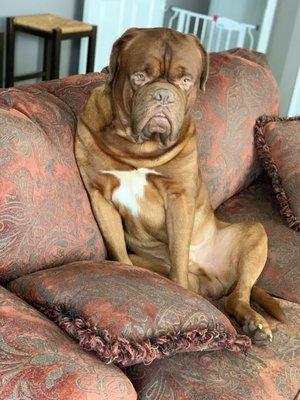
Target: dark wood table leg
55, 53
1, 58
91, 50
47, 59
10, 52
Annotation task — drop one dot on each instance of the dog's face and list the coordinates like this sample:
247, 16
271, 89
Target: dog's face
155, 76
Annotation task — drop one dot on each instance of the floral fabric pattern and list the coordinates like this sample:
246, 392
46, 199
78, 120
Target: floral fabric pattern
38, 361
127, 314
281, 275
45, 215
262, 374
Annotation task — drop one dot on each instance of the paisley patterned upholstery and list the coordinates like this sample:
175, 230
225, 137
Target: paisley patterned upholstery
239, 89
45, 215
270, 373
281, 275
127, 314
38, 361
278, 144
73, 90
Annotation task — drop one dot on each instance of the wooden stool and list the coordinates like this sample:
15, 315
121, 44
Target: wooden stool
53, 29
1, 58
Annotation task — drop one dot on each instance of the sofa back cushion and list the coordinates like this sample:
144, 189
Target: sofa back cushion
239, 89
45, 216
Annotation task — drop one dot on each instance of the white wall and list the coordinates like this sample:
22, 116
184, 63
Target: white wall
284, 48
29, 49
247, 11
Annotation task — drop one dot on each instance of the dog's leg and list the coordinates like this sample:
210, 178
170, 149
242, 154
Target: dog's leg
162, 268
251, 262
110, 224
152, 264
180, 215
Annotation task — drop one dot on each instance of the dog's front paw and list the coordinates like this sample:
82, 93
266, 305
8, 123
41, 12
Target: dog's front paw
257, 328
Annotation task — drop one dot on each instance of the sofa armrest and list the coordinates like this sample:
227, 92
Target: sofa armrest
37, 360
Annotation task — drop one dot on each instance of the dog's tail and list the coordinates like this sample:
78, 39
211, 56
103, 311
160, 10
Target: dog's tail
268, 303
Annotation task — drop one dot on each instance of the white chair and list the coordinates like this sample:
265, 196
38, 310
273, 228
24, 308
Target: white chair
215, 33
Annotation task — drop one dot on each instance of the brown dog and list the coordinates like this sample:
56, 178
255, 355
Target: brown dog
136, 150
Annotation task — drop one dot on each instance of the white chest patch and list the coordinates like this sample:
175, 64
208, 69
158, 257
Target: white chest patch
132, 187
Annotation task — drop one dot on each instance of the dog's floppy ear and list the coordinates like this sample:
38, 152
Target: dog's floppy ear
205, 63
114, 60
205, 67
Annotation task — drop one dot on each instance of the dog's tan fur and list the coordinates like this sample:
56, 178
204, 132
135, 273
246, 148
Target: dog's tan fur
172, 229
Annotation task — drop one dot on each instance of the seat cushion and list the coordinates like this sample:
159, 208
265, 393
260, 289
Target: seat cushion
278, 145
270, 373
281, 275
125, 314
48, 22
45, 215
38, 361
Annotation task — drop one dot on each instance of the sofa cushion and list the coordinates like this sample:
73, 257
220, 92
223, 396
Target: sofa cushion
281, 275
45, 215
38, 361
127, 314
239, 89
74, 90
278, 145
270, 373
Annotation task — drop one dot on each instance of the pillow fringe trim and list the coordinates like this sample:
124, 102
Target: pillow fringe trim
264, 154
125, 352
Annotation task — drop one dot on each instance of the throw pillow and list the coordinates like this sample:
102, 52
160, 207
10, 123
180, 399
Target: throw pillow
278, 145
127, 315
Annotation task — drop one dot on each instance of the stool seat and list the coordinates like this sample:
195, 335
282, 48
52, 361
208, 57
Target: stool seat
53, 29
48, 22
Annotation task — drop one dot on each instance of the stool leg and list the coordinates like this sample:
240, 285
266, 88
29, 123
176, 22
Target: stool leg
47, 59
1, 59
91, 50
10, 52
55, 53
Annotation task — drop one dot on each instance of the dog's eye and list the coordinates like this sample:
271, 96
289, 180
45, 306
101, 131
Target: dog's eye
186, 79
139, 76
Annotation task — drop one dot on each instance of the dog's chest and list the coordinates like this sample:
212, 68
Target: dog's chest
129, 195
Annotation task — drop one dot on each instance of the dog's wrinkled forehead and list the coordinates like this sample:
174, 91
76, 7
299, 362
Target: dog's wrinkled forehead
159, 52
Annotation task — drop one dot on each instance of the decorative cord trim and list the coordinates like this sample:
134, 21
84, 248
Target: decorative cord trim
269, 165
125, 352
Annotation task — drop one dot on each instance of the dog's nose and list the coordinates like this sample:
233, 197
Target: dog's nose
164, 96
